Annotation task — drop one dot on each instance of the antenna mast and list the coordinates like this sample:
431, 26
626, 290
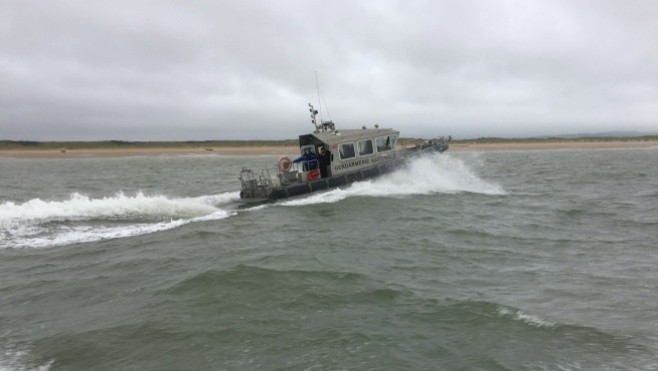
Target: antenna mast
317, 86
323, 125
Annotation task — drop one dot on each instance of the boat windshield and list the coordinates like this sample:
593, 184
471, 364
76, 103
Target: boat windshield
386, 142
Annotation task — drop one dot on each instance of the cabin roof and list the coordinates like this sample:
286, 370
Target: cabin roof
351, 135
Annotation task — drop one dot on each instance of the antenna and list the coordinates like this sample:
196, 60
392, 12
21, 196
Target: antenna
317, 86
321, 100
323, 125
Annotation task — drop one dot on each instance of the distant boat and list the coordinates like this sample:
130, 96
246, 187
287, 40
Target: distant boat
350, 156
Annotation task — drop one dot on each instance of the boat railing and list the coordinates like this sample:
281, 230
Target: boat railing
267, 180
298, 173
289, 177
248, 179
264, 180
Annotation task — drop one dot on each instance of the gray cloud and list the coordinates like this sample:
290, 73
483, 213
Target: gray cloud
168, 70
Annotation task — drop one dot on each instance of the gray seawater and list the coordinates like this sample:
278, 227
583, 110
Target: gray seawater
462, 261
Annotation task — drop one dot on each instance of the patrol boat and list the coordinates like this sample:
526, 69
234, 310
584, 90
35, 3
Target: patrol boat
348, 156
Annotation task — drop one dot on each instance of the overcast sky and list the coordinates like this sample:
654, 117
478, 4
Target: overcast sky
197, 70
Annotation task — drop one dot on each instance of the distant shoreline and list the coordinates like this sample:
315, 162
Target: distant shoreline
148, 151
552, 145
287, 147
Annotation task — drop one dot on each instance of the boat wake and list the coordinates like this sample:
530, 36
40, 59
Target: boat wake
40, 224
429, 174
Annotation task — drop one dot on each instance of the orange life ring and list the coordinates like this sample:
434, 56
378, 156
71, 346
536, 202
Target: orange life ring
313, 175
284, 164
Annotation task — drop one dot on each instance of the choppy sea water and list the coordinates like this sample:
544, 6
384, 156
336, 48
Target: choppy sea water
501, 260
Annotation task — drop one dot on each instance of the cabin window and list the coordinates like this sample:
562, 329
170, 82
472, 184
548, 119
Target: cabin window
346, 150
386, 143
365, 147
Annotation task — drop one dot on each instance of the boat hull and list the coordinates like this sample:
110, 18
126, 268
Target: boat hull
332, 182
294, 190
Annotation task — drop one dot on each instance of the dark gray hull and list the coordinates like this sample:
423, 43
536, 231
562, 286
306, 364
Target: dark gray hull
348, 178
334, 181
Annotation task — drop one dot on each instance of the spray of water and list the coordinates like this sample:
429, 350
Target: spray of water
41, 223
430, 174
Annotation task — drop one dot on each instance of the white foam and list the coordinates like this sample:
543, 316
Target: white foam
518, 315
429, 174
328, 197
38, 223
218, 199
257, 207
119, 206
15, 358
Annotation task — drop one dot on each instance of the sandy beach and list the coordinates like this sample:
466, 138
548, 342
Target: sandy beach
291, 150
151, 151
